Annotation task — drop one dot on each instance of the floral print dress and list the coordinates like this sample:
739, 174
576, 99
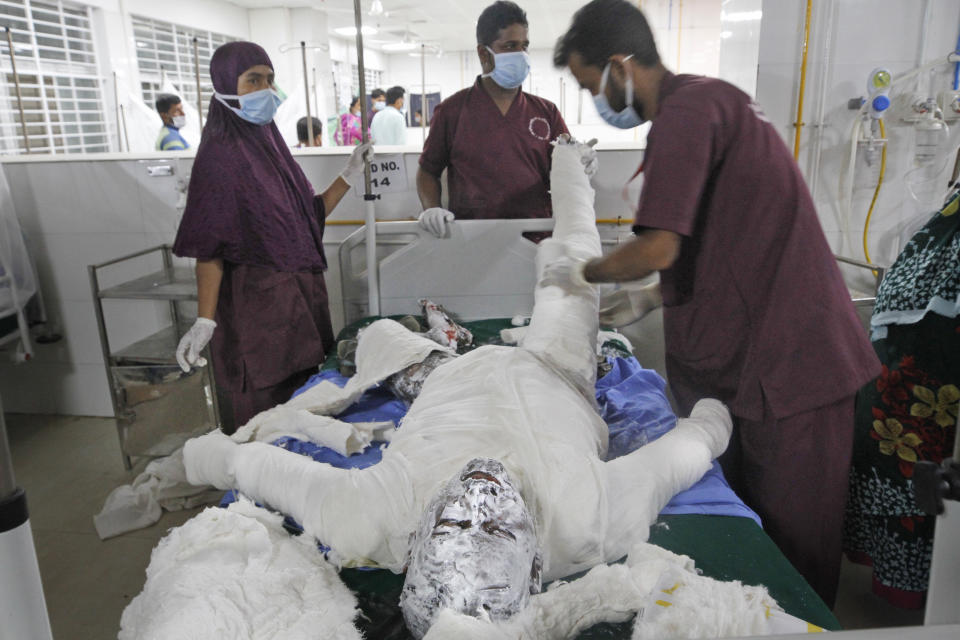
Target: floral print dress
908, 413
348, 133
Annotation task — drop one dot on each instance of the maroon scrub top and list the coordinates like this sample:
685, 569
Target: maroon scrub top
498, 166
755, 308
271, 324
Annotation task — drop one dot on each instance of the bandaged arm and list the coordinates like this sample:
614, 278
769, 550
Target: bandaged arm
351, 510
640, 484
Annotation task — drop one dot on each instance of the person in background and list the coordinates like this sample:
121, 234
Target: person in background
493, 139
303, 133
378, 102
755, 310
390, 125
170, 109
255, 227
349, 132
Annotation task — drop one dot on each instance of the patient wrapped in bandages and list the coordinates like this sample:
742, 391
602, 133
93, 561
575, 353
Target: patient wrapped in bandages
496, 480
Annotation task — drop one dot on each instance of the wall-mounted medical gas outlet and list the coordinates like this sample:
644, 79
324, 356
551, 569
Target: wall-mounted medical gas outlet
878, 91
949, 102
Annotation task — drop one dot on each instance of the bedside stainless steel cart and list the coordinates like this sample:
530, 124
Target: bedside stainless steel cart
157, 406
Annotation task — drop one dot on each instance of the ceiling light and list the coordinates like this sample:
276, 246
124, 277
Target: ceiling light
352, 31
399, 46
376, 8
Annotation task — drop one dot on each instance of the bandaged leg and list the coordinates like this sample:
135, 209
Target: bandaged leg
563, 327
641, 483
346, 509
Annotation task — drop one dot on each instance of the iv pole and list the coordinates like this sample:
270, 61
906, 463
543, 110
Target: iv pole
16, 82
196, 67
370, 224
306, 93
423, 90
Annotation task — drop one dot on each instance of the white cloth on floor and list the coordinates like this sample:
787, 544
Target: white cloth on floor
236, 574
162, 485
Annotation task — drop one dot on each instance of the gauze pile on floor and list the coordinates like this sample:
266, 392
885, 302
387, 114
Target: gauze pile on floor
236, 573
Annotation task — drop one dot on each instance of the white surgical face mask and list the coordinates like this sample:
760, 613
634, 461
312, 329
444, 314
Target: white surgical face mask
179, 121
509, 69
257, 107
379, 105
627, 118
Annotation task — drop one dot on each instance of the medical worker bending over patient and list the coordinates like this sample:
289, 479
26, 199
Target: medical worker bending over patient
496, 479
256, 229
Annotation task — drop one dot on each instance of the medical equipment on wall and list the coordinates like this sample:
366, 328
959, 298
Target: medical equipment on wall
929, 118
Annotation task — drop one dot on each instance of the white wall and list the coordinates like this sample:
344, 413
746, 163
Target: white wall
865, 34
740, 43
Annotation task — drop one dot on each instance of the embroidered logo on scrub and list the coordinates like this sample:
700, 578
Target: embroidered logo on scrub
539, 128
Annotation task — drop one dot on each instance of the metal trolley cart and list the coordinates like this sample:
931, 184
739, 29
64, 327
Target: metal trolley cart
157, 406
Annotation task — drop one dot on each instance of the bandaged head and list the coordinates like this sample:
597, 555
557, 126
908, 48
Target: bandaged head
475, 550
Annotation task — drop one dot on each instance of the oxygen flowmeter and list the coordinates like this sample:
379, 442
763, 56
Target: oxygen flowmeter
878, 90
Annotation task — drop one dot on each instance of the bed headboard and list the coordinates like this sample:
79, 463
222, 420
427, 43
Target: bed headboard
485, 269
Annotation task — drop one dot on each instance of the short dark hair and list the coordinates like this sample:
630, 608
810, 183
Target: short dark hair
303, 132
603, 28
499, 15
165, 101
394, 94
354, 100
376, 93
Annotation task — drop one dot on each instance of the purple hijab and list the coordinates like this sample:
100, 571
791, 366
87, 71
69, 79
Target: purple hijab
249, 202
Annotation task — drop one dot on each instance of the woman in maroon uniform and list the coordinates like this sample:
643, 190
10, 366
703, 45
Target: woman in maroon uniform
256, 229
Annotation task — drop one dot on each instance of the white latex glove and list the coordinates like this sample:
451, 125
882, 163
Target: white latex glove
566, 273
626, 306
354, 168
193, 342
435, 220
588, 155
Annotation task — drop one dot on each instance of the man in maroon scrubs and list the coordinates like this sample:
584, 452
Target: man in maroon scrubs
492, 138
756, 312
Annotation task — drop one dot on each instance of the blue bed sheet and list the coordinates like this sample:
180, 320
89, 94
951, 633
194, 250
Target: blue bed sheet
632, 401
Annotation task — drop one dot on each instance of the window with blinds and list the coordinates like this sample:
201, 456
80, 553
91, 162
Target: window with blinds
60, 91
167, 49
372, 78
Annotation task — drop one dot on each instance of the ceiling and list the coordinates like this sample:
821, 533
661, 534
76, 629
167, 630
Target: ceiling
447, 24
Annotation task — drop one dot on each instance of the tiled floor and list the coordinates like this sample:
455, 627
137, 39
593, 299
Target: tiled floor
68, 465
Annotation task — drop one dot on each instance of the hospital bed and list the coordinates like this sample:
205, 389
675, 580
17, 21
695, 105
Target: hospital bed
484, 274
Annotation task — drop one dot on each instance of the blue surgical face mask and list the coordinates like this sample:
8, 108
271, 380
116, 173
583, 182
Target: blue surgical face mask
257, 107
509, 69
628, 118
